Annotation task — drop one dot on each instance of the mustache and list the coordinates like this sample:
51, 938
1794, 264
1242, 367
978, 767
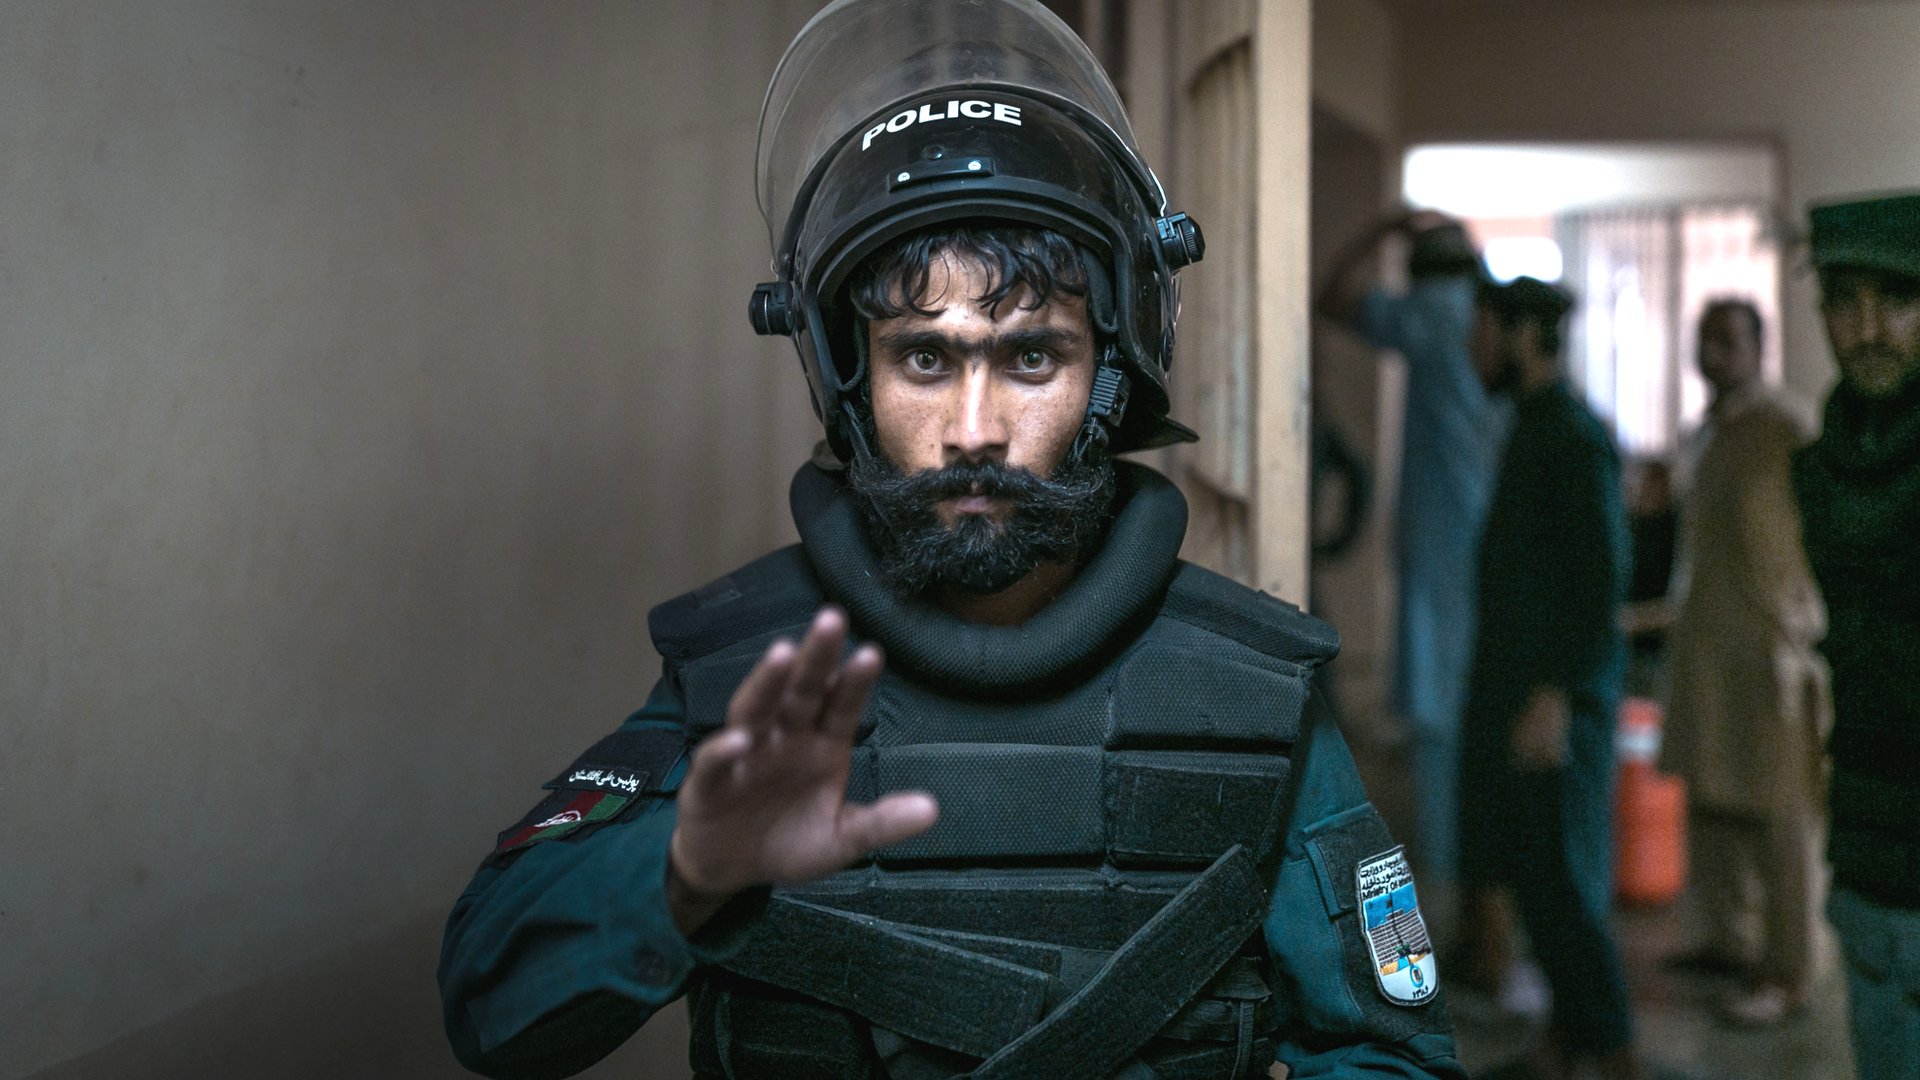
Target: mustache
1060, 517
992, 479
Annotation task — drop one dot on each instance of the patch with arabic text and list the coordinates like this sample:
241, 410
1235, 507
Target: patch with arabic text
1403, 964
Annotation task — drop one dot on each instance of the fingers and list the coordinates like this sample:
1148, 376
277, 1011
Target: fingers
714, 760
847, 698
895, 818
813, 669
758, 696
788, 675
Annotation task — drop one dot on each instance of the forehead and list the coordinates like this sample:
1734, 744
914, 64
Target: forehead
1858, 279
1722, 321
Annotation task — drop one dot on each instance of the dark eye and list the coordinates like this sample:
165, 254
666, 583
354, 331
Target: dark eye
1032, 360
923, 361
1901, 289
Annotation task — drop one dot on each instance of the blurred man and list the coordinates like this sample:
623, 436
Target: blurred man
1859, 491
1748, 690
1536, 777
1446, 475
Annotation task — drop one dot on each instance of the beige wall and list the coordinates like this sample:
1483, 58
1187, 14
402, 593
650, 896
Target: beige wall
1835, 84
1355, 170
370, 369
1353, 65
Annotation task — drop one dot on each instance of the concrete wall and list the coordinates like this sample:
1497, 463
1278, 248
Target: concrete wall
370, 369
1834, 84
1355, 170
1354, 74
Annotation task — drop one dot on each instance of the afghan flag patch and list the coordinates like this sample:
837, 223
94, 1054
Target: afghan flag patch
559, 814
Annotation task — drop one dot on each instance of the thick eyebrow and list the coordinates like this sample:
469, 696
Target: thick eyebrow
1037, 337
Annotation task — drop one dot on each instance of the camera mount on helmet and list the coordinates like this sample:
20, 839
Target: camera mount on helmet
887, 117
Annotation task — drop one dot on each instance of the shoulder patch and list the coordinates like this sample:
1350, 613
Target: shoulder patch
557, 815
625, 763
602, 783
1396, 933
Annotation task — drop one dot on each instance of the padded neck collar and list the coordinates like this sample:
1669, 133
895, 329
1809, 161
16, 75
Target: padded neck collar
1117, 591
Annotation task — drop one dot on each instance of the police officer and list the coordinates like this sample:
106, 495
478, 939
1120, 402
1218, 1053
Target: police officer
1076, 822
1859, 493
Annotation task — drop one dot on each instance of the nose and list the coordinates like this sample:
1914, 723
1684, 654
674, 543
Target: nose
1868, 323
978, 430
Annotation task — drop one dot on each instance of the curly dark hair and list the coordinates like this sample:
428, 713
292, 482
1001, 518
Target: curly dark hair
894, 281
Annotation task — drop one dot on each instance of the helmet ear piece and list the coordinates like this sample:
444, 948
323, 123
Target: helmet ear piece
1100, 305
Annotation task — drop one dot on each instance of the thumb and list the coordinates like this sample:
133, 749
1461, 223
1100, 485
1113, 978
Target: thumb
888, 821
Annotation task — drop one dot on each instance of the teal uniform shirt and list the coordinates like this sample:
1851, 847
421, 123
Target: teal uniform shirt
557, 954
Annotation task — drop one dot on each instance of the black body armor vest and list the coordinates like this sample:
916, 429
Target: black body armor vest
1113, 785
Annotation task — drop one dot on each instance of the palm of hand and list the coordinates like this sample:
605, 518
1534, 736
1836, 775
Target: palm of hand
765, 797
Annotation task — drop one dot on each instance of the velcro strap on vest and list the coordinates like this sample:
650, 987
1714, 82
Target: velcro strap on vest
980, 994
997, 800
1084, 908
1145, 982
1141, 808
1184, 808
927, 990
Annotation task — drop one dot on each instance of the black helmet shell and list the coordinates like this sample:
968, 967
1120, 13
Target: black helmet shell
1021, 151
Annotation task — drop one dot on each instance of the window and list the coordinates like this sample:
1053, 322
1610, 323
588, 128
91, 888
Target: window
1644, 236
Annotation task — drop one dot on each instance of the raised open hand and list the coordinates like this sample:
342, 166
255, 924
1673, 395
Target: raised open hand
765, 798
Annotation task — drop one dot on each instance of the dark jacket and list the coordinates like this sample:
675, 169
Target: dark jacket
1859, 493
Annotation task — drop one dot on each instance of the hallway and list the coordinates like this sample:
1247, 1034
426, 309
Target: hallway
1677, 1029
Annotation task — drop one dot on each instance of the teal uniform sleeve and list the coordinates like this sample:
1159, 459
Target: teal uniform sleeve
558, 951
1334, 1018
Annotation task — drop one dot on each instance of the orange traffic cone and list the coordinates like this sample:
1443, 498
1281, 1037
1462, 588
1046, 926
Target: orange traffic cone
1650, 814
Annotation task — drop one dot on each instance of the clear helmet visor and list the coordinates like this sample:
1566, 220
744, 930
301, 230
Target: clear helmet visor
857, 58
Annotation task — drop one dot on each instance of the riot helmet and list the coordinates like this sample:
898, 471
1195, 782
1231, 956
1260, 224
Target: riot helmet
887, 117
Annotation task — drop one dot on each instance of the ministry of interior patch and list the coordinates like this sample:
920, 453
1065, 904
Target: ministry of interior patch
1403, 964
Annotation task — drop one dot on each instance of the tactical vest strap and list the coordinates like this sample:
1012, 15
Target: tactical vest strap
985, 997
1139, 808
927, 990
1086, 908
1145, 982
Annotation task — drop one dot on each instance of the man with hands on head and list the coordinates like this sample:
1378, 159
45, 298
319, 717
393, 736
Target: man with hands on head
1062, 811
1450, 438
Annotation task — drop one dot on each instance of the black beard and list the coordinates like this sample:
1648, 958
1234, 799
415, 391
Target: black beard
1058, 518
1507, 379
